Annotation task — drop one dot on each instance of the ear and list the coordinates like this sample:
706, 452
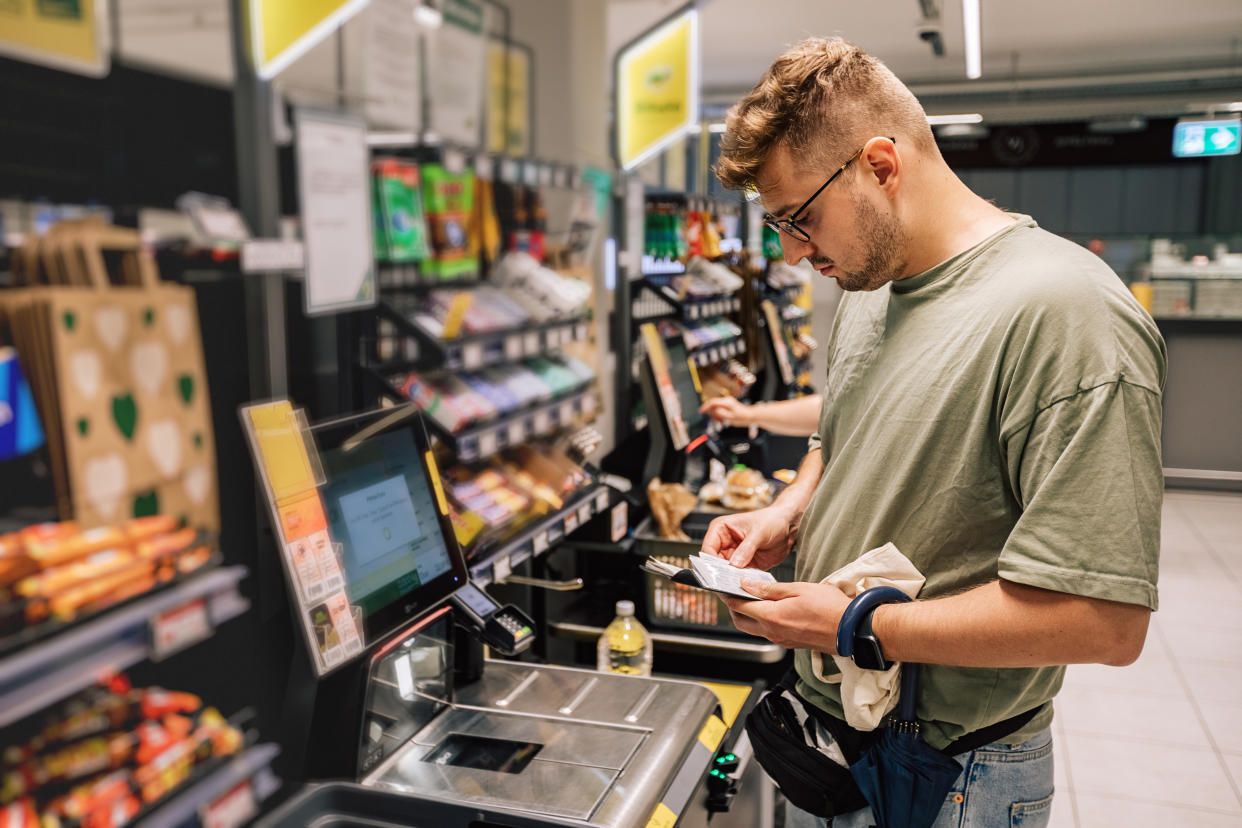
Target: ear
881, 159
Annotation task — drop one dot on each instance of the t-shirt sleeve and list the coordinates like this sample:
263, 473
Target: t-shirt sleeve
1087, 473
813, 442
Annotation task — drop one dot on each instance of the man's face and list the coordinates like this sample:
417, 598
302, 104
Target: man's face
852, 240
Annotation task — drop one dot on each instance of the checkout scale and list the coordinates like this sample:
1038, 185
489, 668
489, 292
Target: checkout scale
403, 704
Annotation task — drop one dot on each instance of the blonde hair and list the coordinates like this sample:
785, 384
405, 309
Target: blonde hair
822, 99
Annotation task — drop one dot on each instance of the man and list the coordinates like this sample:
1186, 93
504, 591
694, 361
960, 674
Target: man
992, 407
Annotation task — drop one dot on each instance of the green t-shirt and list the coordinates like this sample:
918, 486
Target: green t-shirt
996, 416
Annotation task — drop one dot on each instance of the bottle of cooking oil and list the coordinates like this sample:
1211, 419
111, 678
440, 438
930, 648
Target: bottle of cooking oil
625, 646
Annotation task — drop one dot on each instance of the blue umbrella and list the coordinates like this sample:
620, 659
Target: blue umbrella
904, 779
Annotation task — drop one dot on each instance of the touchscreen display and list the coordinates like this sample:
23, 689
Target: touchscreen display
382, 511
474, 598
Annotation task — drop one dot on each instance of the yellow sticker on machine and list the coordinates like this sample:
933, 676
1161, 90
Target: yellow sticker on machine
712, 733
662, 817
694, 375
435, 482
732, 698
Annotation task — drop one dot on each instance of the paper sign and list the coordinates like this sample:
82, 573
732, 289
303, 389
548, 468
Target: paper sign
65, 35
305, 568
176, 629
301, 516
282, 449
328, 561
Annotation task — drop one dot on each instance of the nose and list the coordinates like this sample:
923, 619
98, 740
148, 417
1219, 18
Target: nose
795, 250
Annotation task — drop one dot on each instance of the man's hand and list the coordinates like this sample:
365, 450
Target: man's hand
727, 410
794, 615
760, 539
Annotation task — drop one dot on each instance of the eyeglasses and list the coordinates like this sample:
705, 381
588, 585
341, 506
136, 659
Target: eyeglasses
790, 225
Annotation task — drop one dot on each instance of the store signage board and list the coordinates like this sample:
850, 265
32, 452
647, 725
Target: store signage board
281, 31
508, 98
391, 65
1200, 139
457, 74
334, 189
71, 35
657, 89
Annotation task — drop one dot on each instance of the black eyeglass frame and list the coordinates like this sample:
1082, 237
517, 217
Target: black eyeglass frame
790, 225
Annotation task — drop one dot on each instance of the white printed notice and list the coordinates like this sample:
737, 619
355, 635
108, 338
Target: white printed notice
334, 191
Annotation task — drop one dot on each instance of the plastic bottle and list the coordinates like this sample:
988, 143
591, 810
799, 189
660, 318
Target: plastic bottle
625, 646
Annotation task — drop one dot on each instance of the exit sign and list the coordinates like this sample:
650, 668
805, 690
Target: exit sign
1195, 139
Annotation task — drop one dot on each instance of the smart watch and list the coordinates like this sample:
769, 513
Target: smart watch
855, 638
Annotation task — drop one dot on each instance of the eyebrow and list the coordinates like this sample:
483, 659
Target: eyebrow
785, 210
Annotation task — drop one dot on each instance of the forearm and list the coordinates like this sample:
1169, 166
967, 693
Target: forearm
1004, 624
798, 418
797, 495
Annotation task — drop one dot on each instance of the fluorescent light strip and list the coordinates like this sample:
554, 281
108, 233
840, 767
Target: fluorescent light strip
974, 39
964, 118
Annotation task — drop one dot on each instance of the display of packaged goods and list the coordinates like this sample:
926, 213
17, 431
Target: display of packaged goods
720, 277
545, 294
401, 227
54, 573
448, 201
109, 754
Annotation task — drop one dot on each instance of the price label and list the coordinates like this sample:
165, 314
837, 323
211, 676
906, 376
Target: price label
454, 161
601, 500
472, 356
175, 629
566, 414
502, 569
694, 311
487, 443
517, 432
543, 421
530, 174
545, 175
513, 347
541, 542
509, 171
571, 522
531, 344
620, 521
584, 512
580, 331
237, 807
483, 166
271, 255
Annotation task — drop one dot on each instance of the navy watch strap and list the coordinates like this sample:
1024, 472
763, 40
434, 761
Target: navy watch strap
861, 607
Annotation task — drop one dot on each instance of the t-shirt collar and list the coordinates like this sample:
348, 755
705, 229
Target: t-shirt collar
954, 263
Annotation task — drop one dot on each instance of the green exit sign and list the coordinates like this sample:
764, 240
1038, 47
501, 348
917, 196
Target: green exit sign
1195, 139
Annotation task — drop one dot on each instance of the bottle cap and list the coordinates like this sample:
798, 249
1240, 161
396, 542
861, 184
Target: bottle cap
625, 608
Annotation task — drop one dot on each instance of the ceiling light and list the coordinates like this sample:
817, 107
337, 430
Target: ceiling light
429, 17
964, 118
974, 39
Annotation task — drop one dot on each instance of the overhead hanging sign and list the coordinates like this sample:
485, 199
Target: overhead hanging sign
457, 74
389, 63
281, 31
657, 88
1197, 139
64, 34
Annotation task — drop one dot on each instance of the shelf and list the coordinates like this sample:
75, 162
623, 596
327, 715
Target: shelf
541, 536
185, 807
735, 649
692, 308
537, 421
474, 351
396, 277
47, 671
718, 351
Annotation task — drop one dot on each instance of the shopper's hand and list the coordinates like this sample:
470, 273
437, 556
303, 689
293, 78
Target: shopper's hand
760, 539
795, 615
727, 410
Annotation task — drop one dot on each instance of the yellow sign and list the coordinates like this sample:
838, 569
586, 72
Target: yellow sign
657, 89
662, 817
712, 733
281, 31
64, 34
732, 698
508, 134
281, 449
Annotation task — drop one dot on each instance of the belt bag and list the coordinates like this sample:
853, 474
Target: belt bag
786, 748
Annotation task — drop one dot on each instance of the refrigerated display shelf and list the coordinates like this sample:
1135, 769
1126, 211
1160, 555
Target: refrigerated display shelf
541, 536
47, 671
187, 807
474, 351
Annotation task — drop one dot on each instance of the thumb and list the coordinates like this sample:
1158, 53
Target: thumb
744, 553
769, 590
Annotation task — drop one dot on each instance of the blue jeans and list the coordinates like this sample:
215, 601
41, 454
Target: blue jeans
1001, 785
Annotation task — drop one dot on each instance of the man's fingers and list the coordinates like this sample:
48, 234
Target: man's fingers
744, 553
770, 590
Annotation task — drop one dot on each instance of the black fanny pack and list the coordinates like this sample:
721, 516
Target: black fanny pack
787, 747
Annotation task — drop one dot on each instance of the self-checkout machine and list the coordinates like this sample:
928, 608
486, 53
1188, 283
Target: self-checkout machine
384, 599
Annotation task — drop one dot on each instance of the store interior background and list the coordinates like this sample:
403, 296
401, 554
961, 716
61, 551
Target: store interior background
1094, 87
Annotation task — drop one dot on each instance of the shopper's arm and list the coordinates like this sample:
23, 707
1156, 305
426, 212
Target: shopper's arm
1000, 624
798, 418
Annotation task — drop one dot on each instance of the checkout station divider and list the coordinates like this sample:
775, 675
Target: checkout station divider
405, 719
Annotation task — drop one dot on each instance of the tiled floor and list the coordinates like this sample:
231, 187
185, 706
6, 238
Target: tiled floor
1159, 743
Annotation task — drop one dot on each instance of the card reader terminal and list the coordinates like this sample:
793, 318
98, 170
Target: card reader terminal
507, 629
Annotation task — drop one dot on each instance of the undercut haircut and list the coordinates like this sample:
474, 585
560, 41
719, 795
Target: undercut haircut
822, 99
